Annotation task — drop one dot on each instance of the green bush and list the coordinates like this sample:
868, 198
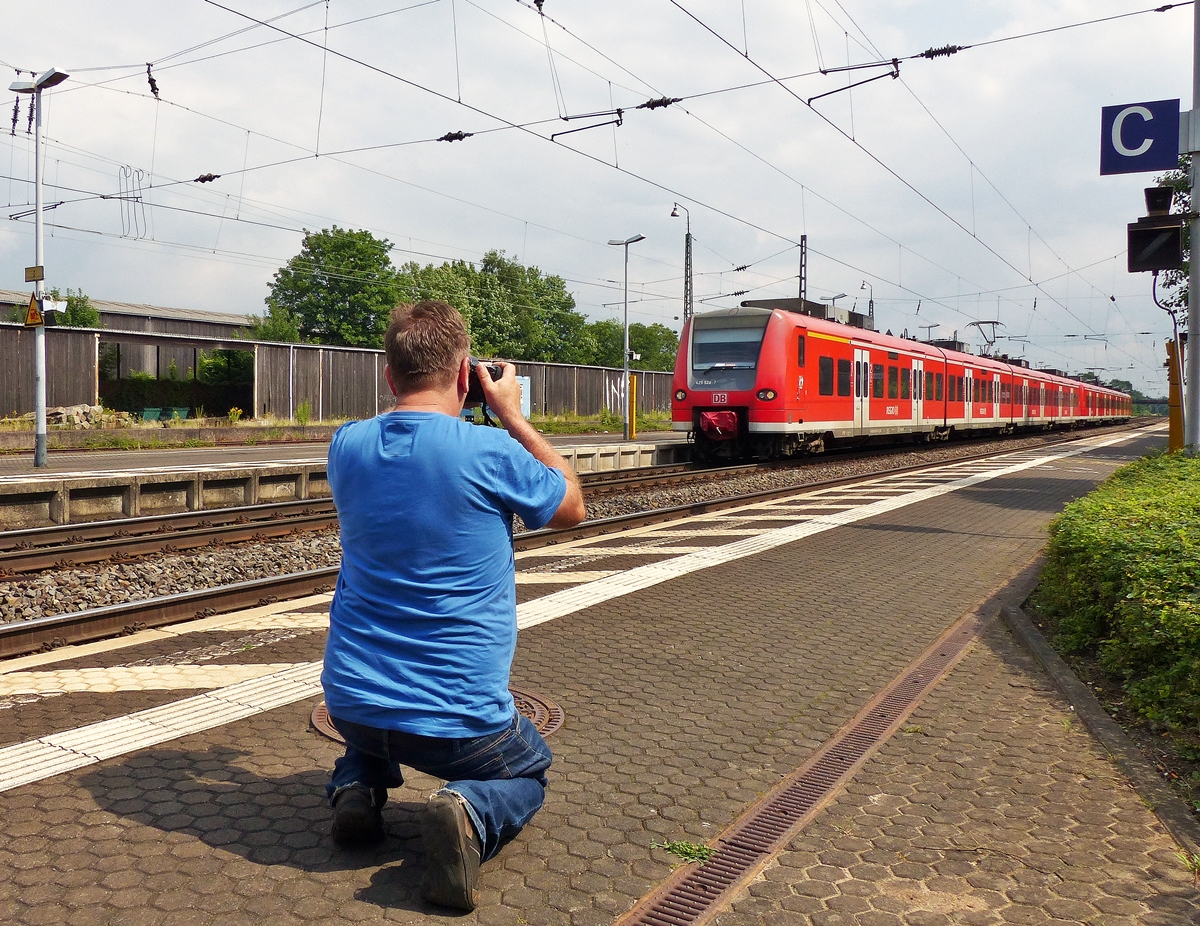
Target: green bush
1123, 578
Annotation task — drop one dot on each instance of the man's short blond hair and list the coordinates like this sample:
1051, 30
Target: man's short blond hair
425, 345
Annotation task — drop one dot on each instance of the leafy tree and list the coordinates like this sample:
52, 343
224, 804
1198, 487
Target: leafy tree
340, 288
1176, 281
609, 337
79, 312
278, 324
656, 343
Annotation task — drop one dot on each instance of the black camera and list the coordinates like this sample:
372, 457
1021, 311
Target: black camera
474, 389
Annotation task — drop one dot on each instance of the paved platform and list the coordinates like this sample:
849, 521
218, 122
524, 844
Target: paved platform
171, 777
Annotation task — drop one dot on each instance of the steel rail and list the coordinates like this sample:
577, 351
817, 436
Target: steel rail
21, 637
115, 549
64, 534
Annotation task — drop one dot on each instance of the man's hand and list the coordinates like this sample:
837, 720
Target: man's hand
504, 398
503, 395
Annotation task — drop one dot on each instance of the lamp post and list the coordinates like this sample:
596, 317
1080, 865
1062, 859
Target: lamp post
687, 260
870, 298
50, 78
625, 243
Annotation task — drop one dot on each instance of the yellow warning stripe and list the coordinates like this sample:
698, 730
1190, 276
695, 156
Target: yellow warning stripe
828, 337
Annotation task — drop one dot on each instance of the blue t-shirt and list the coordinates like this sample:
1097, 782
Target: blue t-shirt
423, 626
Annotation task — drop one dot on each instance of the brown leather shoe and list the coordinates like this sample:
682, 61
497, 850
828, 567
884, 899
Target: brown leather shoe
452, 852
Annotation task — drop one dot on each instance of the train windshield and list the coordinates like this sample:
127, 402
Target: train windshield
725, 349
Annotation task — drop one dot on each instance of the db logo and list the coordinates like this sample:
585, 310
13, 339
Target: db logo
720, 398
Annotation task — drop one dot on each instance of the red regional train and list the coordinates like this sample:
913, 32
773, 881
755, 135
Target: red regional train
770, 383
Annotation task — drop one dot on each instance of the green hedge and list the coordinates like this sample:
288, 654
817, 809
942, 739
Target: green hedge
1123, 579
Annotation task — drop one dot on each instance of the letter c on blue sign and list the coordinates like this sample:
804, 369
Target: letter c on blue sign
1116, 132
1139, 136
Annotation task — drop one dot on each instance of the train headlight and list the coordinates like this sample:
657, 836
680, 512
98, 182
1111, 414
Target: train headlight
766, 395
680, 395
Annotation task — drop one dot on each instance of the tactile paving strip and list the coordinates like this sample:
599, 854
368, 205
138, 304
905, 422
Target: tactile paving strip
547, 716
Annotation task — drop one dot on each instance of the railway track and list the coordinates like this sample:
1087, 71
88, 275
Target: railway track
22, 637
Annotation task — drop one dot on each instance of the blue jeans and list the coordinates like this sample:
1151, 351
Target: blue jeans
501, 776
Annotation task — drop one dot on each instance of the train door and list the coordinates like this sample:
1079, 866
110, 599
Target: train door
918, 391
862, 389
996, 396
968, 396
1024, 410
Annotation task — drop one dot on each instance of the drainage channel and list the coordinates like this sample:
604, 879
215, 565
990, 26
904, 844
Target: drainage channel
696, 893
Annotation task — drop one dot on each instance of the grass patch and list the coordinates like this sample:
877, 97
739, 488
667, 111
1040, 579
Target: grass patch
604, 423
688, 851
122, 442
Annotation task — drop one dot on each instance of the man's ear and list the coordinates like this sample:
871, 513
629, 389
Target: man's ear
387, 374
464, 376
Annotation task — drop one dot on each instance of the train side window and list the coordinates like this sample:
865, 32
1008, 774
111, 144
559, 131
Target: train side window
877, 380
857, 378
928, 387
974, 390
905, 373
893, 381
825, 375
843, 377
959, 387
937, 392
800, 351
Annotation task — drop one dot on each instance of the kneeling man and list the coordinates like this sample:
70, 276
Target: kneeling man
422, 627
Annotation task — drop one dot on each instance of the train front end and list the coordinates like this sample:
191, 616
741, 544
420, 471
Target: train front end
716, 386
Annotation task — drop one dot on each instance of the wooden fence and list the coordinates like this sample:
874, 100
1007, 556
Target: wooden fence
336, 382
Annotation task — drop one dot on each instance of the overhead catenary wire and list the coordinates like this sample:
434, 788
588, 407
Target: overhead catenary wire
975, 168
906, 183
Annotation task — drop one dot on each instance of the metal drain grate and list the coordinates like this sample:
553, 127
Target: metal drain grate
697, 892
545, 714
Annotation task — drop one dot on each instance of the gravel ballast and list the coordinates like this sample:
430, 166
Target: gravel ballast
79, 588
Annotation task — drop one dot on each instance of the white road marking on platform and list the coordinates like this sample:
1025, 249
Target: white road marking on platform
24, 763
562, 578
134, 678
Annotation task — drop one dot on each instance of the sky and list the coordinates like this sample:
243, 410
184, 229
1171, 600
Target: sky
966, 189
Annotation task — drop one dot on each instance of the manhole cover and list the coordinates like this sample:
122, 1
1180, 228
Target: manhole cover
545, 714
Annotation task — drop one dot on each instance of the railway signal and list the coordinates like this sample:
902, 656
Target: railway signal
1156, 240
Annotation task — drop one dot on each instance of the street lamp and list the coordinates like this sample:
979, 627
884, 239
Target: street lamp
832, 300
50, 78
687, 260
625, 243
871, 298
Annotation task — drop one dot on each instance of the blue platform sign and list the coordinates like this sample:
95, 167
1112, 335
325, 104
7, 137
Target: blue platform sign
1138, 137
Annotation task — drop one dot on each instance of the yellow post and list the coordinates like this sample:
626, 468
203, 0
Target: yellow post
1174, 405
632, 406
